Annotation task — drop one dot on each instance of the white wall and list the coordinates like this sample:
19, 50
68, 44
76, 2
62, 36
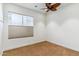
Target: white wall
39, 27
1, 27
63, 26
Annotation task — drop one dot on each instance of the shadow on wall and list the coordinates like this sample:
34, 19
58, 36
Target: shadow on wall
67, 33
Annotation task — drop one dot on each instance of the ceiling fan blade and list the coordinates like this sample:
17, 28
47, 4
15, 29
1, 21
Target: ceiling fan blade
56, 5
53, 6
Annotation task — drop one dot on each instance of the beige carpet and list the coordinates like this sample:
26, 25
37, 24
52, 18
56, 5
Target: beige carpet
41, 49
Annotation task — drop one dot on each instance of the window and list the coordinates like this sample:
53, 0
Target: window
27, 21
17, 19
20, 26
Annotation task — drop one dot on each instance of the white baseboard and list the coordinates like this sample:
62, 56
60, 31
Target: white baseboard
48, 41
63, 45
24, 45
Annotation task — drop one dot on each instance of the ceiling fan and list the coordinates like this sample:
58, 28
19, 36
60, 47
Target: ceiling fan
51, 6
